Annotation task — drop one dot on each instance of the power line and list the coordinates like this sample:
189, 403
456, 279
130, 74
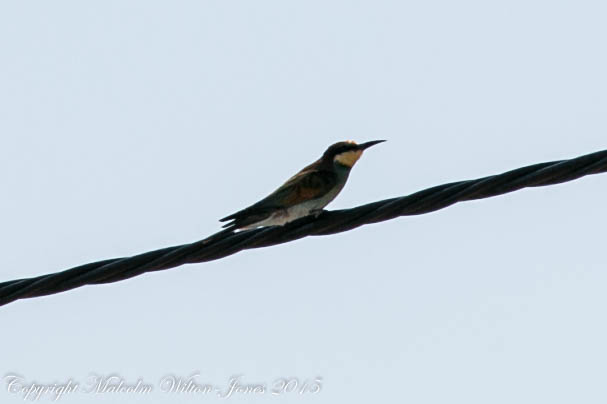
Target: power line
226, 242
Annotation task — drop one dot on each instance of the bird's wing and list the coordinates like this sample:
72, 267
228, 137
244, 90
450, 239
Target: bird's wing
306, 185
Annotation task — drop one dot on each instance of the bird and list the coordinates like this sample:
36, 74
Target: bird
305, 193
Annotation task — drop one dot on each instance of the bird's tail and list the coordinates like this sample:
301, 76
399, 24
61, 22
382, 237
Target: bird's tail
246, 217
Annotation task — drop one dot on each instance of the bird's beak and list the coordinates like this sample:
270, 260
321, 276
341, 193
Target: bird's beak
366, 145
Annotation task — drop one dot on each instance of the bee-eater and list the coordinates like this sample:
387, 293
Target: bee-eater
306, 193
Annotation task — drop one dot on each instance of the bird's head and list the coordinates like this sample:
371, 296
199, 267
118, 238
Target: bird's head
347, 153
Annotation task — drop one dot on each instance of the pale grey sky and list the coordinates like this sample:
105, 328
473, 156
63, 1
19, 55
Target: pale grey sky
131, 126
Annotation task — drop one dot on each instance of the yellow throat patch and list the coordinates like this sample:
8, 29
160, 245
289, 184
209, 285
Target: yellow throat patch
348, 158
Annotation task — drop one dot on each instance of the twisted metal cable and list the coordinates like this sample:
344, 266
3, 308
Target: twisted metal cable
227, 242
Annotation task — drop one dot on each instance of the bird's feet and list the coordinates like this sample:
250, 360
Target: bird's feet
316, 212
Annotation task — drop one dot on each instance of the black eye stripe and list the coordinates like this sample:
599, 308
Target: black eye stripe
339, 148
345, 148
